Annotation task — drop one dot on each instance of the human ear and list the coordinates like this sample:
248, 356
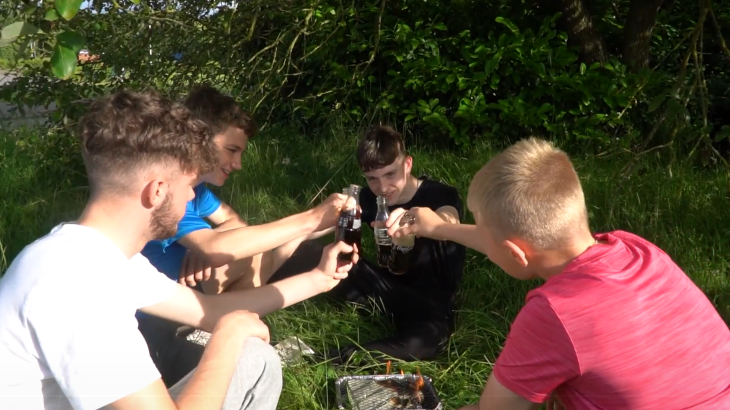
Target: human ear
408, 161
517, 252
154, 193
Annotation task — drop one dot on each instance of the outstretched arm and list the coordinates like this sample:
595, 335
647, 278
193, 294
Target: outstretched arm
443, 224
221, 247
225, 218
192, 308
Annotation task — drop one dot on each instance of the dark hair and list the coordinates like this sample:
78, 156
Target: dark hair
379, 147
128, 130
219, 111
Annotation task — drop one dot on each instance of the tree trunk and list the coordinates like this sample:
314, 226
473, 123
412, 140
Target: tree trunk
579, 26
637, 32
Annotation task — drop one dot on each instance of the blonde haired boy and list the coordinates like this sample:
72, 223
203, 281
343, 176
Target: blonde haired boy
617, 325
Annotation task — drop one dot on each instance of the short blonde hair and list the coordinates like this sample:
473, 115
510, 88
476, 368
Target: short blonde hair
530, 191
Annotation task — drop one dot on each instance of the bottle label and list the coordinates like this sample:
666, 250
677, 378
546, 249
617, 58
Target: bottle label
356, 223
343, 221
382, 237
403, 249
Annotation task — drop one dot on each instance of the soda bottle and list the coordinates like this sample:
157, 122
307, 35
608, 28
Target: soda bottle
383, 242
348, 223
401, 251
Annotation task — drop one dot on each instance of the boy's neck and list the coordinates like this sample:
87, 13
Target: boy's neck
553, 262
118, 223
410, 189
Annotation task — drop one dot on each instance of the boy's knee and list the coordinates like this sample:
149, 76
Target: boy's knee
261, 357
257, 382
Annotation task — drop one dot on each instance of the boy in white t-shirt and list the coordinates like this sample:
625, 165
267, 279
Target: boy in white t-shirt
68, 334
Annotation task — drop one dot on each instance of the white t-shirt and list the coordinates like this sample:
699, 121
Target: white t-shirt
68, 334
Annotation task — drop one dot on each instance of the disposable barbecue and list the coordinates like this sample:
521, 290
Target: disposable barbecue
387, 392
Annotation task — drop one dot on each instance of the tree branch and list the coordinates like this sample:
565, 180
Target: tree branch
718, 33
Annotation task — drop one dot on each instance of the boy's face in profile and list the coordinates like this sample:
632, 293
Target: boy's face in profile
230, 144
391, 180
165, 217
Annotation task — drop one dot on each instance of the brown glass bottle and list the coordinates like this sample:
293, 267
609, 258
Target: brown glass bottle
349, 223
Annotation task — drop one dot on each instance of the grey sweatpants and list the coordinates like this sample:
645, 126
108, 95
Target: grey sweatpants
256, 383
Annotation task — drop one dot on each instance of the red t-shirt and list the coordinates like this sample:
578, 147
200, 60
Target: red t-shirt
622, 328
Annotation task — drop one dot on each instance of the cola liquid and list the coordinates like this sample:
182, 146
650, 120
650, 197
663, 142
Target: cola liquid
351, 237
383, 242
401, 252
349, 224
400, 258
383, 252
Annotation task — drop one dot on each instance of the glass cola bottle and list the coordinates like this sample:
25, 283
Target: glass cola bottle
383, 241
401, 253
349, 222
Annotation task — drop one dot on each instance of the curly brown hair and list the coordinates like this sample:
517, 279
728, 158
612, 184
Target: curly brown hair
129, 130
379, 147
219, 111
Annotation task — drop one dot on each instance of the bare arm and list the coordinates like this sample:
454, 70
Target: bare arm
225, 218
207, 388
463, 234
443, 224
498, 397
449, 214
193, 308
223, 247
319, 234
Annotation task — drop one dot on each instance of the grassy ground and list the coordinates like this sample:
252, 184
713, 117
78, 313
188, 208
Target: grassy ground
683, 210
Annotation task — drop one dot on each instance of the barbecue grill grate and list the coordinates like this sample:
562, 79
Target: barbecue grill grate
386, 392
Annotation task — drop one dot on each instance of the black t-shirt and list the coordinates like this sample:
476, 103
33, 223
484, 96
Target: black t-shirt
438, 265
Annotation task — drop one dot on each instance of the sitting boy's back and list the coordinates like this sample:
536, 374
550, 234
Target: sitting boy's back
629, 330
617, 324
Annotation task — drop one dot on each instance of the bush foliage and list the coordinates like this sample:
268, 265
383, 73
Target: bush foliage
457, 70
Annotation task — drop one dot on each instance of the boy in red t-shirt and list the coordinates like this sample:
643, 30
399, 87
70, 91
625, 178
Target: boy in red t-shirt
616, 326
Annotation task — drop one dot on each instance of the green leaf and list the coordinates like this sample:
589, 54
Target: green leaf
510, 25
609, 101
12, 31
674, 106
440, 26
71, 40
723, 133
68, 8
51, 15
582, 68
544, 108
656, 102
63, 61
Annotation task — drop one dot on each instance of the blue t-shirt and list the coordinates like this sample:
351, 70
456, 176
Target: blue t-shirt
167, 255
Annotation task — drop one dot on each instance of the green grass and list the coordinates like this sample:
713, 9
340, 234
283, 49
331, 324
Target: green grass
683, 210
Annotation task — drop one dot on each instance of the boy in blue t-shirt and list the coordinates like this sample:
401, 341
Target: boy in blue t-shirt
214, 249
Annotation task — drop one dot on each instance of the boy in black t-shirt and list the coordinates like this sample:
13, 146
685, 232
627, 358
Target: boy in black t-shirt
420, 301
